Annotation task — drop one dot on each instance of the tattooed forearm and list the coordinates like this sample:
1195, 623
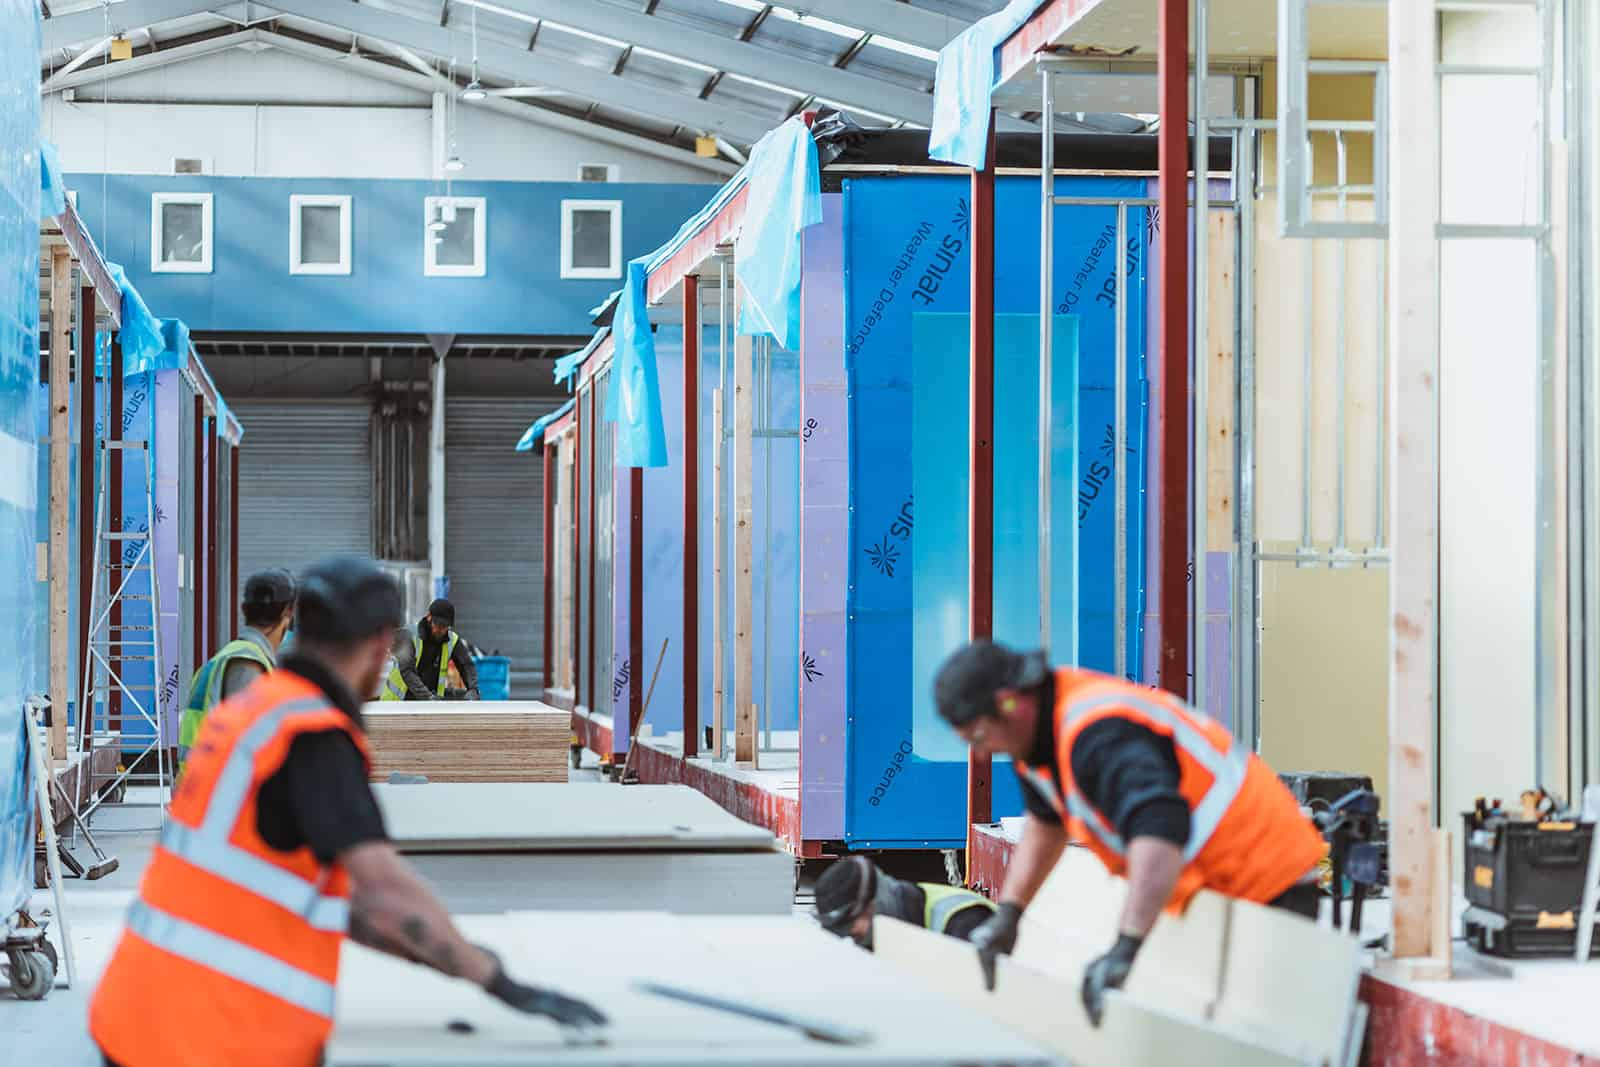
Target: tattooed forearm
393, 911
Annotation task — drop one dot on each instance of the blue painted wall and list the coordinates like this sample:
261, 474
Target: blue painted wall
250, 287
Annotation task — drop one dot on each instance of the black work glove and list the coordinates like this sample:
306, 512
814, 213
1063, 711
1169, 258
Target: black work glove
1108, 972
996, 936
533, 1000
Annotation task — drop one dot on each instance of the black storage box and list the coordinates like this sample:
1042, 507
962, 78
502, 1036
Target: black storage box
1524, 881
1323, 786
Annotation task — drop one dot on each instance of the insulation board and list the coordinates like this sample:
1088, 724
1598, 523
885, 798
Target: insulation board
393, 1013
469, 741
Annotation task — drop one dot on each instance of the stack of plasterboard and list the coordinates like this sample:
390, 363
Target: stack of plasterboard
1227, 984
392, 1013
499, 847
469, 741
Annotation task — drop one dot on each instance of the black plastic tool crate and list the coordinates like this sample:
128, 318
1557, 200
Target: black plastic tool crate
1524, 881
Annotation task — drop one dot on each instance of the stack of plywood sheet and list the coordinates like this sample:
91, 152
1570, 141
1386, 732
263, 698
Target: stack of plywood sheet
499, 741
1227, 984
498, 847
392, 1013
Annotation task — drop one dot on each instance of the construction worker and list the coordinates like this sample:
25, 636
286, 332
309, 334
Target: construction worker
273, 853
435, 649
268, 611
394, 679
1160, 793
853, 890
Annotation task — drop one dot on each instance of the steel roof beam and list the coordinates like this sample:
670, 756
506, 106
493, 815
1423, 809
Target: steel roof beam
887, 18
770, 64
515, 64
64, 31
161, 57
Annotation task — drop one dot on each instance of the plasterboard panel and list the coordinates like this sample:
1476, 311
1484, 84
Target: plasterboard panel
535, 816
393, 1013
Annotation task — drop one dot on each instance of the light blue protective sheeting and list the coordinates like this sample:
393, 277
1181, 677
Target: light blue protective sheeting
142, 342
19, 378
963, 86
785, 197
52, 190
535, 433
635, 400
568, 364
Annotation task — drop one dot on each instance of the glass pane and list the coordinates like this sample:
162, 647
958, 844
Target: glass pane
182, 233
457, 245
320, 226
591, 239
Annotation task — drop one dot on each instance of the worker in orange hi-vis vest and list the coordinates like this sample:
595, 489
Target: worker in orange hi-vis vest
1161, 793
273, 853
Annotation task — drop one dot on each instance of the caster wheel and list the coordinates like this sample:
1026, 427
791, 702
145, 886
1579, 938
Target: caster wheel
32, 974
50, 954
577, 758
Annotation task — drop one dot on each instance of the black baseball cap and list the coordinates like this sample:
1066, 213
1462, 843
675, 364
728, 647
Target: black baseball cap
347, 599
966, 684
269, 587
441, 610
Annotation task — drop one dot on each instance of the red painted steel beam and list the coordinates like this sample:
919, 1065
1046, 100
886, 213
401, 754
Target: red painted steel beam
233, 537
87, 452
980, 485
1173, 187
197, 570
635, 600
578, 423
213, 592
113, 554
691, 516
549, 557
594, 426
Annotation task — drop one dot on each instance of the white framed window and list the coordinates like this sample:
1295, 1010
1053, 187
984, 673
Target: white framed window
180, 233
319, 234
591, 238
454, 236
597, 172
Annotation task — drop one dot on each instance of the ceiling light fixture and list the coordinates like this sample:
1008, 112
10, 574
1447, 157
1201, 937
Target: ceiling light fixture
474, 90
437, 223
454, 163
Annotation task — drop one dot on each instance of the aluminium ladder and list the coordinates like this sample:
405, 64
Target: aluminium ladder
124, 577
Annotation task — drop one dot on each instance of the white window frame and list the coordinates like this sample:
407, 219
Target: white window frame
480, 237
158, 203
568, 208
301, 200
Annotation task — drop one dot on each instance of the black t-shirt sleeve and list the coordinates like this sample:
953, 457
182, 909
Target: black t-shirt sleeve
1034, 801
320, 797
1129, 773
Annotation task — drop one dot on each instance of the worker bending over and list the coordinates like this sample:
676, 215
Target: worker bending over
273, 852
426, 675
853, 890
268, 610
1160, 792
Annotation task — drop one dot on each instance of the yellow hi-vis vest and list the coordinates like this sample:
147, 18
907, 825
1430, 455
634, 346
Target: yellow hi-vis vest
394, 687
941, 903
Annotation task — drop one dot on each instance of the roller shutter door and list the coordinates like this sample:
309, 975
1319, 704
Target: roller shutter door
305, 482
494, 531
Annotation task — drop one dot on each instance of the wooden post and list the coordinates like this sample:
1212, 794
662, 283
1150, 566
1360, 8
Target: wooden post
1413, 441
744, 721
88, 450
691, 516
635, 600
60, 495
1173, 188
719, 534
980, 457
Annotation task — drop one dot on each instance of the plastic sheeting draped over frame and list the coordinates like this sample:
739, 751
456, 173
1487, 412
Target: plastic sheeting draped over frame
634, 403
963, 85
785, 197
52, 193
20, 189
142, 343
535, 433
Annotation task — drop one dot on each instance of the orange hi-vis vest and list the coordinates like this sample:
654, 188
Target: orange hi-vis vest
1247, 837
231, 950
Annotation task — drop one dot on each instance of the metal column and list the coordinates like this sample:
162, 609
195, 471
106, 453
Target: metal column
436, 531
548, 556
691, 516
980, 499
1047, 236
88, 453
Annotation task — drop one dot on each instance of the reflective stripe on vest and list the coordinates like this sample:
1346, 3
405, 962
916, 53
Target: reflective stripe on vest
394, 686
252, 967
943, 902
208, 847
1227, 770
444, 659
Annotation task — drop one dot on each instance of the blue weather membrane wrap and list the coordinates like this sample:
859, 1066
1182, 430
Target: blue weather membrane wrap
785, 197
142, 342
906, 304
535, 433
20, 188
52, 191
568, 364
963, 85
634, 401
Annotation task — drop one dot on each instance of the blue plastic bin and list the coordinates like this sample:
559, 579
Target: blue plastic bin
494, 677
